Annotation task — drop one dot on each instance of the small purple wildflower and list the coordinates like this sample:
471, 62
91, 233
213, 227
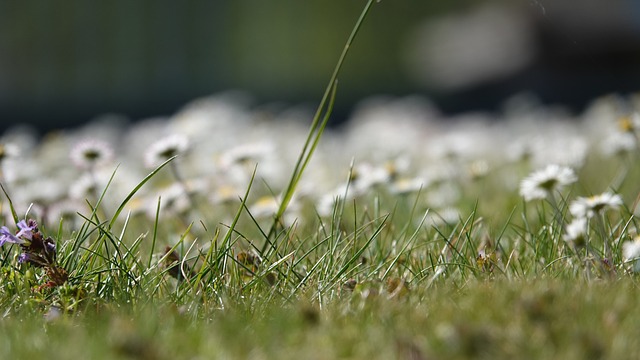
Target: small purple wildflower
26, 230
6, 236
23, 258
37, 250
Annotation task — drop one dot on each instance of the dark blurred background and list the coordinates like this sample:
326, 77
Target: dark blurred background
65, 62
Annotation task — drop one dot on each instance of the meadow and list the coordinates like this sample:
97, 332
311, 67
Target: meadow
229, 230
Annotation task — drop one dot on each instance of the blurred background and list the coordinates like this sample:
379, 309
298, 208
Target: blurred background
65, 62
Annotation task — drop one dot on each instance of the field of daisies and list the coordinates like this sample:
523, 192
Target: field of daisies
407, 234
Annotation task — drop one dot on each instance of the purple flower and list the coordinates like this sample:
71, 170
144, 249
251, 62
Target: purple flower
24, 257
50, 247
7, 237
26, 230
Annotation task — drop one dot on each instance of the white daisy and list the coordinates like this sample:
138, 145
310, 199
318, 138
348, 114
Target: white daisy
590, 206
267, 207
327, 203
403, 186
249, 153
631, 253
66, 210
619, 143
8, 150
365, 176
478, 169
576, 231
165, 148
631, 249
541, 183
174, 201
85, 186
225, 193
89, 153
629, 124
264, 207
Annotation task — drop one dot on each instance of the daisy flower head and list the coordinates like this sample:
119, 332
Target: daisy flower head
90, 153
264, 207
543, 182
165, 148
249, 153
365, 176
590, 206
629, 123
83, 187
631, 249
577, 231
403, 186
8, 150
631, 253
619, 143
225, 193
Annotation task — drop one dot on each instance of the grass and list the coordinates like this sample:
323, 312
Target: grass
380, 273
543, 318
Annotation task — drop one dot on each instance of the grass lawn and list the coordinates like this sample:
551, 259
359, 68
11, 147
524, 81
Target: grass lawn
224, 232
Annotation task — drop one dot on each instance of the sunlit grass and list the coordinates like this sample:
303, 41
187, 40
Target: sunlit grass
416, 250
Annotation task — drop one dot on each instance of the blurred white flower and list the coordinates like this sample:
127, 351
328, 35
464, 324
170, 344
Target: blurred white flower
174, 200
42, 191
326, 204
225, 193
590, 206
478, 169
8, 150
560, 147
631, 249
470, 138
90, 153
364, 176
9, 161
246, 154
67, 211
264, 207
402, 186
619, 143
84, 187
382, 126
267, 207
520, 149
631, 253
165, 148
238, 163
630, 124
542, 183
576, 231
